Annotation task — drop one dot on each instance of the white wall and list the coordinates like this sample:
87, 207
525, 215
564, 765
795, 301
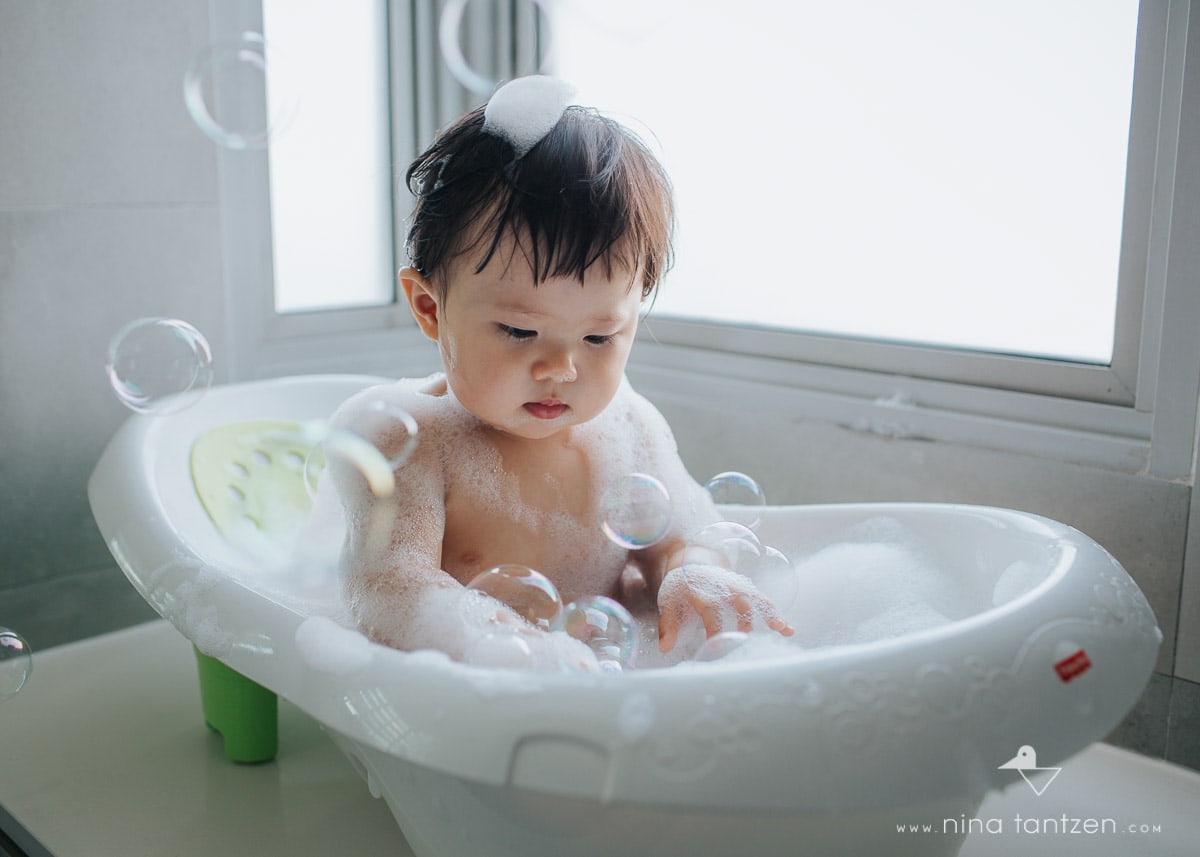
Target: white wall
108, 212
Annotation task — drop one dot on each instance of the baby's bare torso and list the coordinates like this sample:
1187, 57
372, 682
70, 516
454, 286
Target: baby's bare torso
535, 504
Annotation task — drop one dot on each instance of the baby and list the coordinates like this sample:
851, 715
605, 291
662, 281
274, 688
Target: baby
540, 229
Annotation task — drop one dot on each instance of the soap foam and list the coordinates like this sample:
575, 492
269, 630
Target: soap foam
873, 584
328, 647
524, 110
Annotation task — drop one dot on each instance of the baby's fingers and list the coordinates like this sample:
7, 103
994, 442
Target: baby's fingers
770, 614
744, 605
781, 625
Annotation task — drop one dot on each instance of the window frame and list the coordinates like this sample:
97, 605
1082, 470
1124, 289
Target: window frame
1137, 415
265, 342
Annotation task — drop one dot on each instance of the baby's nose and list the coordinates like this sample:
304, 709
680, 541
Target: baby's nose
556, 366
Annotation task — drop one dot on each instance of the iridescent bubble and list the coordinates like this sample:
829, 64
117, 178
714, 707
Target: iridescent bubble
636, 511
529, 593
720, 645
776, 578
605, 626
159, 365
377, 441
727, 544
16, 663
732, 488
392, 430
449, 28
226, 92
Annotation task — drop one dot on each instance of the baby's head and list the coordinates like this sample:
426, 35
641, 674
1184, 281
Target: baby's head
532, 253
586, 192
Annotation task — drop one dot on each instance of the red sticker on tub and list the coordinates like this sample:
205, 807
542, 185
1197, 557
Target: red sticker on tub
1073, 665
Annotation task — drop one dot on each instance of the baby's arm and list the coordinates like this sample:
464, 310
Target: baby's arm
723, 599
391, 566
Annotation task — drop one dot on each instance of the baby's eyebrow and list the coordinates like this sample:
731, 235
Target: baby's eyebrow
519, 309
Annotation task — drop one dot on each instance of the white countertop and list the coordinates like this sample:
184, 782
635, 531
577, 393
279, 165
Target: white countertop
105, 752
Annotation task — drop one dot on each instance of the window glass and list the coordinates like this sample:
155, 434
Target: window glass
931, 172
330, 158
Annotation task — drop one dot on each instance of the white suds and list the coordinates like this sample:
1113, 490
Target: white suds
328, 647
524, 110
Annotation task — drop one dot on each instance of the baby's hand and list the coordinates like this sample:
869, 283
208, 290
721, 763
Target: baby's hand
712, 592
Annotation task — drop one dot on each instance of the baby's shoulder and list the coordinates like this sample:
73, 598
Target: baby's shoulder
424, 399
421, 405
634, 409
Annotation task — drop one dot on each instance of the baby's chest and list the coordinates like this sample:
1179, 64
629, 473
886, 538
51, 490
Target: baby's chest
547, 520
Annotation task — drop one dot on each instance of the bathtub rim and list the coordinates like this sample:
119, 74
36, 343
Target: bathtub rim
513, 685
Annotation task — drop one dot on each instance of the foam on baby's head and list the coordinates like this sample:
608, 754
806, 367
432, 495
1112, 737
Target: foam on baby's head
525, 110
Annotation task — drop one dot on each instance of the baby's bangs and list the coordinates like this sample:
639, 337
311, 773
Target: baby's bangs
587, 193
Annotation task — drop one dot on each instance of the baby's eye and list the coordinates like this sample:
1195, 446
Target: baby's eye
516, 332
600, 339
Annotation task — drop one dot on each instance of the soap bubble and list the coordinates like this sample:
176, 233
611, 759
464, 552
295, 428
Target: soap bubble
226, 93
16, 663
378, 440
605, 626
159, 365
720, 645
735, 546
727, 544
636, 511
452, 53
528, 593
732, 488
776, 578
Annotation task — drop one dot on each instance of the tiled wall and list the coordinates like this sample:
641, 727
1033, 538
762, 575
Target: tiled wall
108, 212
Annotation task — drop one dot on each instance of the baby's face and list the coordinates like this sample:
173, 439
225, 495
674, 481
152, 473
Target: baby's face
535, 360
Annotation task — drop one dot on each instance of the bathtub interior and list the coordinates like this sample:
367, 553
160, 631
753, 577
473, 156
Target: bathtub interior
664, 737
973, 550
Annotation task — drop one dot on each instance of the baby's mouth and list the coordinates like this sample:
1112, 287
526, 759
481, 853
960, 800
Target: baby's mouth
546, 409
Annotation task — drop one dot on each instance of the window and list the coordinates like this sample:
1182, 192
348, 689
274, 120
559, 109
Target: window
1102, 379
331, 164
933, 172
313, 223
936, 173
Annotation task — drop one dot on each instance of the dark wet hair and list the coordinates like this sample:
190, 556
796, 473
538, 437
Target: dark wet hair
588, 191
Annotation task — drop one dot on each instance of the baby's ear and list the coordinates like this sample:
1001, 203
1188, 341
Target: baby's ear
422, 300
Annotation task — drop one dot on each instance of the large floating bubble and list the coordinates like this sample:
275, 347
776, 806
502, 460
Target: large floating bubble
735, 546
776, 578
737, 489
727, 544
16, 663
450, 42
377, 441
605, 626
159, 365
636, 511
226, 93
529, 593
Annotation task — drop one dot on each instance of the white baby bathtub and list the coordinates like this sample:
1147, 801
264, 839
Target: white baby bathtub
818, 752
